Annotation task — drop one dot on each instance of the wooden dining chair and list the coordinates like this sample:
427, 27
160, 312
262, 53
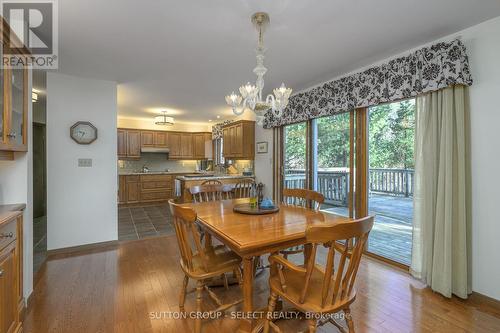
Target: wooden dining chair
321, 290
211, 182
204, 193
303, 198
201, 263
243, 188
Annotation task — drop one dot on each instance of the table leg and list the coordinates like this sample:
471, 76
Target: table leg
246, 325
307, 253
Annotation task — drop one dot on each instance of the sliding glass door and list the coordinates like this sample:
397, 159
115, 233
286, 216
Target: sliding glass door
358, 160
391, 130
295, 156
332, 162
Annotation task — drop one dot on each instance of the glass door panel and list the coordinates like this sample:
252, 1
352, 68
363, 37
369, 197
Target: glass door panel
391, 130
17, 115
294, 155
331, 162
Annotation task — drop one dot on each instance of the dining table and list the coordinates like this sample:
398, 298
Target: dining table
251, 236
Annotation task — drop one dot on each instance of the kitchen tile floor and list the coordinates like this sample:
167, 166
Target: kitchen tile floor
143, 222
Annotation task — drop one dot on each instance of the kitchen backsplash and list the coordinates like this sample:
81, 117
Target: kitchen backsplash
156, 162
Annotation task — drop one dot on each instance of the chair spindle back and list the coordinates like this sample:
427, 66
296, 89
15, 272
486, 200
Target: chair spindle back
187, 234
344, 275
243, 188
302, 197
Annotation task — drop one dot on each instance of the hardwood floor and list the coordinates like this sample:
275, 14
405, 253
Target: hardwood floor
119, 289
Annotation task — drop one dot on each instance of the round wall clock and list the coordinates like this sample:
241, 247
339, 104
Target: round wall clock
83, 132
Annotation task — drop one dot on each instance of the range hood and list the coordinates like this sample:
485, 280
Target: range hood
155, 150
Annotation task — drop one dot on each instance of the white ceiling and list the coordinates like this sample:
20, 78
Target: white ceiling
186, 55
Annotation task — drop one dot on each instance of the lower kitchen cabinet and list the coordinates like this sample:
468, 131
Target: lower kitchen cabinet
11, 272
136, 189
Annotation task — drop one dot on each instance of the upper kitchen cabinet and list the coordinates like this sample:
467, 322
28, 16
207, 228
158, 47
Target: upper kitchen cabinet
161, 139
129, 144
14, 99
202, 145
239, 140
174, 141
182, 145
147, 139
187, 145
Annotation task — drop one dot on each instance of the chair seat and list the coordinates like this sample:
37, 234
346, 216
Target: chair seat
219, 260
312, 301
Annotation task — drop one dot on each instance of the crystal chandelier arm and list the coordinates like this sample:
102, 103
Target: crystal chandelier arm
241, 110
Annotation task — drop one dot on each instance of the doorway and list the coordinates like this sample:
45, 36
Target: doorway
39, 170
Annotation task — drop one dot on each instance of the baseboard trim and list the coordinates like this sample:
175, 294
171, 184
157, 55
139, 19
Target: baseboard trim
82, 248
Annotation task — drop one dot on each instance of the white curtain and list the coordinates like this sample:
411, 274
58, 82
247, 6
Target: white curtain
441, 235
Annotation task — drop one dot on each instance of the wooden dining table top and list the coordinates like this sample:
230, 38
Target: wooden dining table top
258, 234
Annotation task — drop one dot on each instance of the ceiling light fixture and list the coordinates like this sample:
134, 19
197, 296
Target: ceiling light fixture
251, 95
163, 119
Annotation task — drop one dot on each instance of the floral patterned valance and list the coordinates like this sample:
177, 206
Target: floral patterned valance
217, 129
428, 69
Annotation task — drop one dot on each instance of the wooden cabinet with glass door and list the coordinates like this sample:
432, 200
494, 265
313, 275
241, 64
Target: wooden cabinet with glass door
14, 100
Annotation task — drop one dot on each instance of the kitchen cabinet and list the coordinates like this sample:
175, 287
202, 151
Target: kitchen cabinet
129, 144
186, 145
147, 139
14, 99
161, 139
11, 272
133, 187
122, 189
174, 140
199, 145
239, 140
133, 144
182, 145
122, 143
145, 188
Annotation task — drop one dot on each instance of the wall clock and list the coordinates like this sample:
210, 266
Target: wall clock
83, 132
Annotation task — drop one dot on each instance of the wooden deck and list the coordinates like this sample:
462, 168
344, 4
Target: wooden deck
391, 236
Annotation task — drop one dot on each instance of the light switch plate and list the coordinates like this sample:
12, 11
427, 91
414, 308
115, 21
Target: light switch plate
84, 162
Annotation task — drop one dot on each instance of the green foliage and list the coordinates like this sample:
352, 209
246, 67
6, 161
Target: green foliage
295, 146
333, 141
391, 136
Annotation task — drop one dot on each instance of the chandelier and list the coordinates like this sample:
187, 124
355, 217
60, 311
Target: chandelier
163, 119
251, 95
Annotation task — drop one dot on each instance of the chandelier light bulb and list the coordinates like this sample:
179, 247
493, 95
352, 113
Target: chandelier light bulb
233, 99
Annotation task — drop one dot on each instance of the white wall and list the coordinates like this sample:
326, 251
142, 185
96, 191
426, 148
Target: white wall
16, 186
264, 162
483, 47
81, 202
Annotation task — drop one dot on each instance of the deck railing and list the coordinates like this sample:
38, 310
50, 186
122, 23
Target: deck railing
334, 185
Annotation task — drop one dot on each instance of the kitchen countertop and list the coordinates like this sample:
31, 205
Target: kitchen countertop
8, 212
202, 177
